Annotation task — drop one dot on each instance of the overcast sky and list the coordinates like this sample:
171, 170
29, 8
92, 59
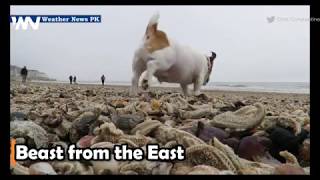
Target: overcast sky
248, 47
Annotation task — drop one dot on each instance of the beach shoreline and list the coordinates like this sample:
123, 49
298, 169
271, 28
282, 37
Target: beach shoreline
274, 101
176, 89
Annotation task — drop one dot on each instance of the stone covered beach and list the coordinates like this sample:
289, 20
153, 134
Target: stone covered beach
223, 132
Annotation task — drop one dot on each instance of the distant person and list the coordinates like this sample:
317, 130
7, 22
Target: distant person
102, 79
70, 79
74, 79
24, 74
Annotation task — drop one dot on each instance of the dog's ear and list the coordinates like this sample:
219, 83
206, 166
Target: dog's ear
153, 24
151, 29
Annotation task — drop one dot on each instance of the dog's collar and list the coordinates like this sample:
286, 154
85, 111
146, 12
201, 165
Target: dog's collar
209, 66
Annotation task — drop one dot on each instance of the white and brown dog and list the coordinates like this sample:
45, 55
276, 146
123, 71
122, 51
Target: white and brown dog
169, 61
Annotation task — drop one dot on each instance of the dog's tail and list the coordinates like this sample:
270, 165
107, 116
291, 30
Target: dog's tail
153, 24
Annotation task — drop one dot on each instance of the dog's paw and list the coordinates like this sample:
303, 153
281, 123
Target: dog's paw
197, 93
133, 92
144, 84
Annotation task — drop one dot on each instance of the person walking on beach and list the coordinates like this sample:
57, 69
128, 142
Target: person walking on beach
102, 79
24, 74
70, 79
74, 79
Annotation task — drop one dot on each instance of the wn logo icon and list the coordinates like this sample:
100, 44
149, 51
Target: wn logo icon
25, 22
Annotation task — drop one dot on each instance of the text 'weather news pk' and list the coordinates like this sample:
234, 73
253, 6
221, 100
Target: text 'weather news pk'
25, 22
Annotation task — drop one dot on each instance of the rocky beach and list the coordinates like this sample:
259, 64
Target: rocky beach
223, 132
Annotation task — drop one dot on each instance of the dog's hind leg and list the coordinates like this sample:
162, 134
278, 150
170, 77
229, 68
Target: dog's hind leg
197, 85
185, 89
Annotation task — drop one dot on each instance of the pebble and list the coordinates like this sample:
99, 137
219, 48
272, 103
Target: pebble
287, 169
85, 141
18, 116
206, 132
82, 126
126, 122
252, 146
41, 168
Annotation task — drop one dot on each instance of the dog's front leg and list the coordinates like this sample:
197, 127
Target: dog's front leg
134, 83
137, 68
156, 64
152, 67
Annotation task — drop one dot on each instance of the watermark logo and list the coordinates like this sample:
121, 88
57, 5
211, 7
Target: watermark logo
19, 22
270, 19
24, 22
273, 19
